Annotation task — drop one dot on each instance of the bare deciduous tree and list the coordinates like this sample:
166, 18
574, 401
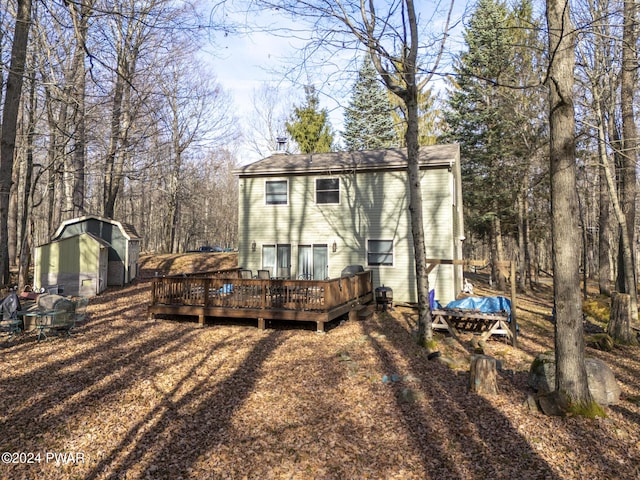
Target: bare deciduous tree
391, 35
10, 113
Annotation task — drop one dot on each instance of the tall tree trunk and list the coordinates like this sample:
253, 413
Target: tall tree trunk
571, 372
523, 255
497, 253
80, 24
26, 217
626, 256
425, 333
111, 169
12, 222
9, 125
626, 280
604, 237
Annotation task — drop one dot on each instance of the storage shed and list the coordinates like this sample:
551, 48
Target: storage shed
78, 263
122, 238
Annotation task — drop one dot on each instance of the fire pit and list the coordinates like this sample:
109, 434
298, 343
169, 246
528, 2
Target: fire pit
384, 297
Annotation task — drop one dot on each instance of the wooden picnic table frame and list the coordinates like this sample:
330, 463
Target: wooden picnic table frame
486, 324
504, 267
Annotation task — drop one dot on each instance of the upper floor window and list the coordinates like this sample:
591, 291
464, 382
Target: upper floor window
276, 192
327, 190
380, 253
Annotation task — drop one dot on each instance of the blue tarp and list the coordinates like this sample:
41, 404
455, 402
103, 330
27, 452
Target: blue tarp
482, 304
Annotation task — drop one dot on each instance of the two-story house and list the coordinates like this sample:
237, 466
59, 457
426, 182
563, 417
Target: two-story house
308, 216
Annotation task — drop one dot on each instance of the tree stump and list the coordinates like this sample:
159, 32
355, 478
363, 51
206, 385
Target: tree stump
482, 375
619, 327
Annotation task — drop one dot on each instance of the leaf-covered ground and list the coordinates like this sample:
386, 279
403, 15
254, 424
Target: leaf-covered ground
128, 397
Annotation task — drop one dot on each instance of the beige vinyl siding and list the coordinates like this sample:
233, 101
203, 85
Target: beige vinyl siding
373, 205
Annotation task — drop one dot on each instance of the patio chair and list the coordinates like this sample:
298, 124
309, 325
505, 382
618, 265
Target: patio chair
10, 323
246, 274
264, 274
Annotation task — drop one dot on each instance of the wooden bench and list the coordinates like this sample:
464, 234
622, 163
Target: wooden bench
486, 324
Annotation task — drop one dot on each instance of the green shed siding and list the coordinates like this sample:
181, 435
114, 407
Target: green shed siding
78, 263
373, 206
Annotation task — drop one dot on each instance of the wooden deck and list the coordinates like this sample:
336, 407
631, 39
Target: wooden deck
223, 295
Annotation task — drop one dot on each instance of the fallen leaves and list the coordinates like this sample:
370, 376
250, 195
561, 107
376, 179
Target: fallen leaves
166, 399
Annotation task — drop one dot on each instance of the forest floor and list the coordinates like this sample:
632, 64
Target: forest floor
128, 397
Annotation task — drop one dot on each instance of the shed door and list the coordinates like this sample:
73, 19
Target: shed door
103, 270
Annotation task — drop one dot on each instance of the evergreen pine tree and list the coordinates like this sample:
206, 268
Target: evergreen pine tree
309, 127
368, 121
430, 121
485, 115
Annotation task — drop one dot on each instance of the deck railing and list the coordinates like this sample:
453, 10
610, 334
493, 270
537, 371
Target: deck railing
224, 290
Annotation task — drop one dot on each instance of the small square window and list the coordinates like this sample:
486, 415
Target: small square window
328, 190
276, 192
380, 253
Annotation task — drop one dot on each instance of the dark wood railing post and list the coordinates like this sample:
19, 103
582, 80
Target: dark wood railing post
154, 283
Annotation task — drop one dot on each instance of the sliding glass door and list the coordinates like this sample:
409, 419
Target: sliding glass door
277, 259
313, 262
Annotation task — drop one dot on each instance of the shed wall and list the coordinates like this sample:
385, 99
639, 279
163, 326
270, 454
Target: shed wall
75, 263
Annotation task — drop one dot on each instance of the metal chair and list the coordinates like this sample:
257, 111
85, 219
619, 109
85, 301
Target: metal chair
81, 309
10, 323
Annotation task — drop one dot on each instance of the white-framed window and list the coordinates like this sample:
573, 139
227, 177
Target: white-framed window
327, 190
276, 192
380, 253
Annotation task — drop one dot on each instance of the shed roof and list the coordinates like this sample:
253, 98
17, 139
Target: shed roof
127, 229
100, 241
334, 162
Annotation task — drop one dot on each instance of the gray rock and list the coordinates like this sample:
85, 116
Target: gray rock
602, 383
531, 404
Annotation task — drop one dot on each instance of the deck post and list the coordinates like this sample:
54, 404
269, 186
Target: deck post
261, 323
201, 319
320, 324
154, 286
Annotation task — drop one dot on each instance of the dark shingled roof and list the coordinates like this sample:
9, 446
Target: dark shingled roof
130, 230
387, 159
